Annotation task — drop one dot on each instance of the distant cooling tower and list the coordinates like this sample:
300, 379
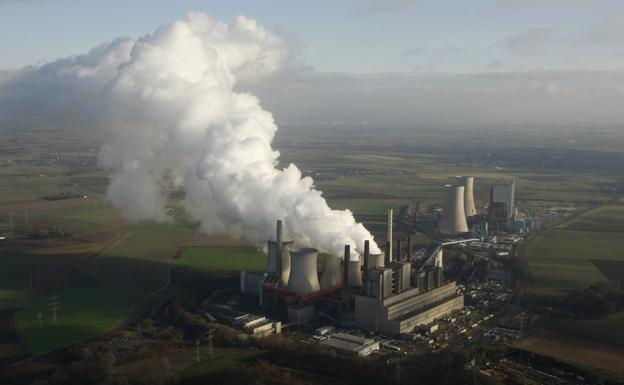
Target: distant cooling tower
469, 206
303, 274
355, 273
454, 217
332, 272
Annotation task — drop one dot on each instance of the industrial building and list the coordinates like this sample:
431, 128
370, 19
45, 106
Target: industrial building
502, 201
376, 292
257, 325
359, 345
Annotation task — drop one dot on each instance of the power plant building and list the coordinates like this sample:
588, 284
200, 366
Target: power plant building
378, 293
503, 192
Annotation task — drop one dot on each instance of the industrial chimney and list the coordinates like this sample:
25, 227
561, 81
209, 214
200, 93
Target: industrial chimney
389, 239
469, 205
303, 273
454, 217
346, 265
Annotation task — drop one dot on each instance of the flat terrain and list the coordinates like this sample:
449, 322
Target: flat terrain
84, 313
560, 259
106, 265
223, 258
575, 351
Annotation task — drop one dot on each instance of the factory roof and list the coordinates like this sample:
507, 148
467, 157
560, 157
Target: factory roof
360, 345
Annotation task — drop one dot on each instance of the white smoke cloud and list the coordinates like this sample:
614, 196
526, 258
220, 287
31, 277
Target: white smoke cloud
171, 118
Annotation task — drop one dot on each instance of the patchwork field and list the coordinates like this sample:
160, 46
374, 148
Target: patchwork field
84, 313
575, 351
223, 258
560, 259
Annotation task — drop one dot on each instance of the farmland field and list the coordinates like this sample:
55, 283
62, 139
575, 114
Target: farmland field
575, 351
84, 312
223, 258
560, 258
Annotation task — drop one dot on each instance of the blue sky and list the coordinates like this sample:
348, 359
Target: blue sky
350, 36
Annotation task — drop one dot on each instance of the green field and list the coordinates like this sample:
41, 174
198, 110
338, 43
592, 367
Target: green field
151, 241
609, 330
15, 289
223, 258
559, 258
84, 313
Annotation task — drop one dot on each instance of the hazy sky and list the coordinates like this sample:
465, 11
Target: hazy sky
349, 36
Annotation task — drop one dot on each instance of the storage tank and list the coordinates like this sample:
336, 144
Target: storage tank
332, 273
469, 205
454, 217
303, 273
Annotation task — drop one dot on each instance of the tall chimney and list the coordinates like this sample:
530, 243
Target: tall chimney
409, 247
389, 239
366, 256
345, 265
278, 248
398, 253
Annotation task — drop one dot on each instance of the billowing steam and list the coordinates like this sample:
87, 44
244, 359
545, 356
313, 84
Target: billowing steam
171, 119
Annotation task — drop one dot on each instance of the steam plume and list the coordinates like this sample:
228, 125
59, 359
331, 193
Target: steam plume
171, 118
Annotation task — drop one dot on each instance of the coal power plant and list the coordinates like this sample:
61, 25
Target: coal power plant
384, 293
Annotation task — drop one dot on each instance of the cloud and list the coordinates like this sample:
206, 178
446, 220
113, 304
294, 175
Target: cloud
530, 41
470, 100
609, 30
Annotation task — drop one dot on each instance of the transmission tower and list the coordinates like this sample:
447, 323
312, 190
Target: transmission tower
54, 306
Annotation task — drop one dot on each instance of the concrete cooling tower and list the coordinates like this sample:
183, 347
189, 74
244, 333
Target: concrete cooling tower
303, 273
376, 260
355, 273
469, 205
279, 259
332, 272
454, 217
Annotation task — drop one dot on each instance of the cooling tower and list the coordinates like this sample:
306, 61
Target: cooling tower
355, 273
375, 260
453, 217
332, 274
303, 274
469, 206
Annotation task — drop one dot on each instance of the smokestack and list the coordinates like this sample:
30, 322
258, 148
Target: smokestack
366, 257
398, 253
346, 265
453, 217
409, 247
390, 233
278, 247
